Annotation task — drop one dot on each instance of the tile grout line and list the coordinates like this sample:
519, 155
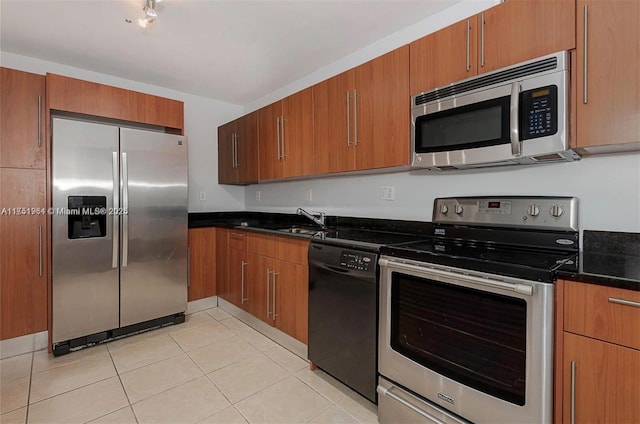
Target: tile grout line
26, 415
123, 389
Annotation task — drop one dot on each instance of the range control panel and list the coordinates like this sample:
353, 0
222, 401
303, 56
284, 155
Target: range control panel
541, 212
357, 260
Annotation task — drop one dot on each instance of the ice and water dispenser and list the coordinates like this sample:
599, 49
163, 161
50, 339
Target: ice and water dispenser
87, 216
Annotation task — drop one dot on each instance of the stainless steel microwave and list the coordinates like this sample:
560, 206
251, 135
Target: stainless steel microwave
515, 115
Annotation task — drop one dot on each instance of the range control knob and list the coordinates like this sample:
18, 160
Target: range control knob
444, 209
458, 209
556, 211
533, 210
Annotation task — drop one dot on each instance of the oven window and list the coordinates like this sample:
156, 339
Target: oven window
466, 127
471, 336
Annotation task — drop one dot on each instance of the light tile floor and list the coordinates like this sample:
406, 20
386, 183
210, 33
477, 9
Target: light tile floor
211, 369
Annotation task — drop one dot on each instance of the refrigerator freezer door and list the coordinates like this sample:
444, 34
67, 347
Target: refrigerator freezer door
153, 278
85, 263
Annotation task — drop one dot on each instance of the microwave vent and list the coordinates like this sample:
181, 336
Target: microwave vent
547, 64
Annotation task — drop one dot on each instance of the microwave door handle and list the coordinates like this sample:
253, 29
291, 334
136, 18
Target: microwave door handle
513, 120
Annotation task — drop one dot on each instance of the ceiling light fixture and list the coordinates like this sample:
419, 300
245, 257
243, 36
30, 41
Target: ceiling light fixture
150, 13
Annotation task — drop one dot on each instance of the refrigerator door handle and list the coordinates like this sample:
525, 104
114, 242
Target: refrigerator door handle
116, 205
125, 211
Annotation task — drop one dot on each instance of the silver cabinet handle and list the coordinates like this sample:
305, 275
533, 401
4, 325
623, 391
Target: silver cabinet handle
348, 123
273, 311
355, 117
233, 150
237, 234
282, 137
513, 119
40, 250
585, 97
39, 121
573, 392
278, 137
188, 267
116, 204
482, 40
468, 45
624, 302
125, 207
268, 273
243, 299
237, 158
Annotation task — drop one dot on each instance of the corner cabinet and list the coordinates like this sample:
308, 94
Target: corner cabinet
238, 151
598, 354
362, 116
202, 263
608, 80
506, 34
285, 133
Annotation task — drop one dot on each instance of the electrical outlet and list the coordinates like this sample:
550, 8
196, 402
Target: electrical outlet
203, 195
388, 193
258, 195
309, 195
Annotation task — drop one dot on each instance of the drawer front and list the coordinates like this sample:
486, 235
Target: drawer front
237, 240
604, 313
293, 250
262, 244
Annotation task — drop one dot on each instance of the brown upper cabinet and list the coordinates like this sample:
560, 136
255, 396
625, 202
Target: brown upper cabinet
361, 117
512, 32
22, 139
608, 81
89, 98
285, 133
238, 151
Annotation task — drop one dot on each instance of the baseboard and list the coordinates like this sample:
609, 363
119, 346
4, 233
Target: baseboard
23, 344
202, 304
283, 339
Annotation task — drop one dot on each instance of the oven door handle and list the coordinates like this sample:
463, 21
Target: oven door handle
488, 282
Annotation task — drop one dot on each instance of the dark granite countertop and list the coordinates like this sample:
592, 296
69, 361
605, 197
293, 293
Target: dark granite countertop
609, 259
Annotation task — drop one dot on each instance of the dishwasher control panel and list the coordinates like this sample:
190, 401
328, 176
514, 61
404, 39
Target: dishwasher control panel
357, 260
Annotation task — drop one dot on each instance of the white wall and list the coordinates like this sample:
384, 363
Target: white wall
608, 189
202, 116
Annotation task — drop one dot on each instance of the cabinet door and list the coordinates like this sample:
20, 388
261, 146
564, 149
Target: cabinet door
297, 134
446, 56
382, 111
290, 303
333, 109
247, 148
608, 111
202, 263
519, 30
23, 253
237, 277
605, 381
269, 138
227, 173
258, 277
22, 140
222, 262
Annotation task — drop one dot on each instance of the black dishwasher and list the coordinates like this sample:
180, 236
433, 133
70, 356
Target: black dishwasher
343, 322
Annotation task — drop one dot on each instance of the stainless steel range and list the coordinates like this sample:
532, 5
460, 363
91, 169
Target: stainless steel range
466, 317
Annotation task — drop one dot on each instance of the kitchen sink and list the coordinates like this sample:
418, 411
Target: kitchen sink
298, 230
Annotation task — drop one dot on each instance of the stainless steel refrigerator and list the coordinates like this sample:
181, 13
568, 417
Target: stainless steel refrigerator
119, 231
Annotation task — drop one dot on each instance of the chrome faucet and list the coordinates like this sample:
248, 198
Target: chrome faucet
317, 217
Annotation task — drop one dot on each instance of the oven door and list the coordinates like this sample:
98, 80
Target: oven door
478, 345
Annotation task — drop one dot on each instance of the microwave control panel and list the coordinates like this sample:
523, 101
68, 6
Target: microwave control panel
539, 112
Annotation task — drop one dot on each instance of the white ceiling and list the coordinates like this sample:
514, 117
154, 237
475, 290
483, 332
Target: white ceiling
233, 51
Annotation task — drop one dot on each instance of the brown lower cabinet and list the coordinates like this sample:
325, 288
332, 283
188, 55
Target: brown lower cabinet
23, 252
202, 263
268, 278
597, 354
